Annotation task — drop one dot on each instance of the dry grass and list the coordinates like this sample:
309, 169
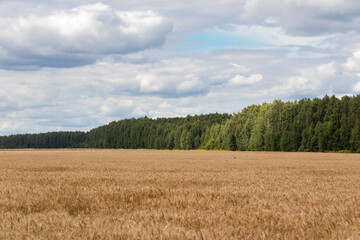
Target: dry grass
147, 194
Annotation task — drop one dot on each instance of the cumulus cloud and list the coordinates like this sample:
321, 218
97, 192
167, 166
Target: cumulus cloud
149, 84
190, 84
353, 63
134, 58
357, 87
242, 80
328, 78
352, 66
306, 18
88, 96
312, 79
79, 36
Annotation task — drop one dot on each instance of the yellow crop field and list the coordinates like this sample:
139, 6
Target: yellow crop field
149, 194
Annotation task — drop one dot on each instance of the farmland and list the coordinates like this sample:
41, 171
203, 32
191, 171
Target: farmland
151, 194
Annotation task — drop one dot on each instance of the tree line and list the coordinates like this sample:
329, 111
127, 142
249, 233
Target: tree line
326, 124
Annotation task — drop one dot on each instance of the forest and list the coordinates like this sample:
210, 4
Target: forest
307, 125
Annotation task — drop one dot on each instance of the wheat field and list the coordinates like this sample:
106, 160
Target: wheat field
149, 194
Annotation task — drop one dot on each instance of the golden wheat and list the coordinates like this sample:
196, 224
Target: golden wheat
148, 194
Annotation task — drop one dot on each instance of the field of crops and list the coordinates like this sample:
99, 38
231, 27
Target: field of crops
149, 194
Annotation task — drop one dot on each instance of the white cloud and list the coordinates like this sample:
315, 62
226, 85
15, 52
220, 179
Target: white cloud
83, 97
328, 78
327, 70
79, 36
242, 80
241, 68
353, 63
356, 87
149, 84
326, 4
88, 96
266, 36
190, 84
312, 79
4, 126
130, 58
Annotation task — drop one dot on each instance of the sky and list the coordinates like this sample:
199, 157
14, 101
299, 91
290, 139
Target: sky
75, 65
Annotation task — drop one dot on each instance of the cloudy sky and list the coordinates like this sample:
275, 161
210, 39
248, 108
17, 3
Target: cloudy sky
75, 65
